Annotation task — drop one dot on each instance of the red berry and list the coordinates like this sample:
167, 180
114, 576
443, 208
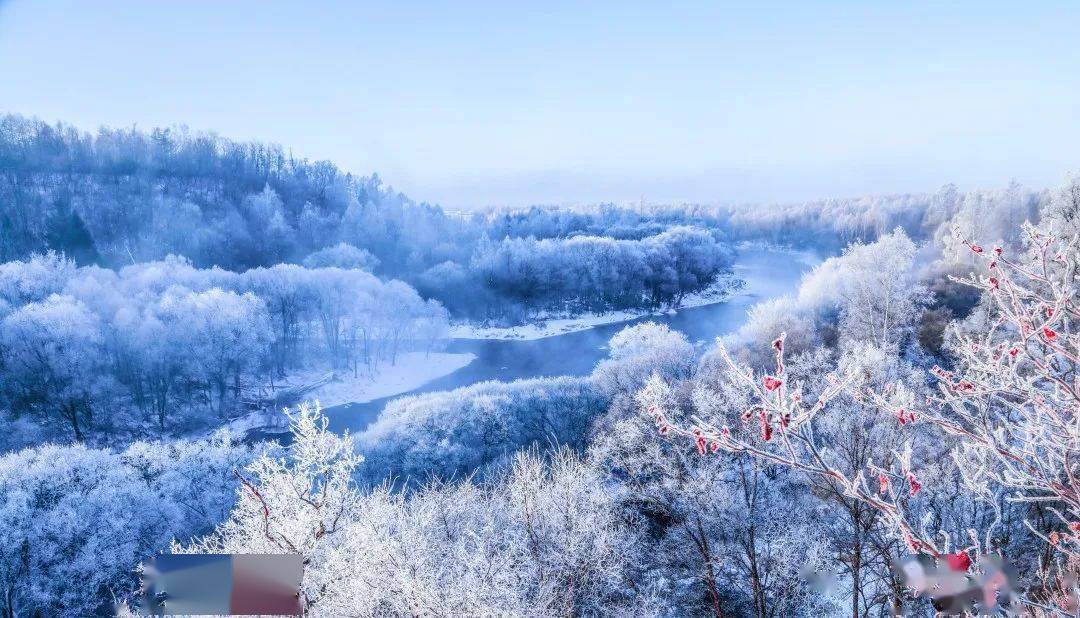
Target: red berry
976, 248
1049, 333
771, 383
958, 561
915, 485
883, 481
700, 445
994, 282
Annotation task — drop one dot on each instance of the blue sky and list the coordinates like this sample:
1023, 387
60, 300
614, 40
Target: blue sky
475, 104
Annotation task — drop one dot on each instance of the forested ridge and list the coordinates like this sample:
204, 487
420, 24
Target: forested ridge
126, 196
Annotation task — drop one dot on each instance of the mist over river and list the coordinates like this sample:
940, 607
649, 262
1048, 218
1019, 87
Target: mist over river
767, 273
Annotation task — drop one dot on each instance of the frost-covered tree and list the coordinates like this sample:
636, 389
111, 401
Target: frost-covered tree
851, 434
289, 294
76, 522
1061, 213
874, 287
784, 314
989, 217
53, 362
342, 255
266, 220
226, 335
727, 535
334, 291
638, 352
477, 428
33, 280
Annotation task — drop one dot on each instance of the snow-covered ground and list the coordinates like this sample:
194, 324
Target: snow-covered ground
550, 327
412, 370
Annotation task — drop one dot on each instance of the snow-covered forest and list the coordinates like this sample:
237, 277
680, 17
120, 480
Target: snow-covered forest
125, 196
917, 394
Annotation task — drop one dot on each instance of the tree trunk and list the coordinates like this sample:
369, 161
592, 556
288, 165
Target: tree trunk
702, 542
856, 568
71, 410
755, 577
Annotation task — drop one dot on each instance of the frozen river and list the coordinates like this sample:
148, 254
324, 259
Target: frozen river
767, 273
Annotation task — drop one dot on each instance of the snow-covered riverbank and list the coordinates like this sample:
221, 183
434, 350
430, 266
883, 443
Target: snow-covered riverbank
412, 370
550, 327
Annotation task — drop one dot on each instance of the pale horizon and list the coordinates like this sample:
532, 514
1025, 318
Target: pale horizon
479, 104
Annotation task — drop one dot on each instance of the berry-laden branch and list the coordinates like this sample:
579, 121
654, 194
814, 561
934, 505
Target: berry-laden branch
787, 437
